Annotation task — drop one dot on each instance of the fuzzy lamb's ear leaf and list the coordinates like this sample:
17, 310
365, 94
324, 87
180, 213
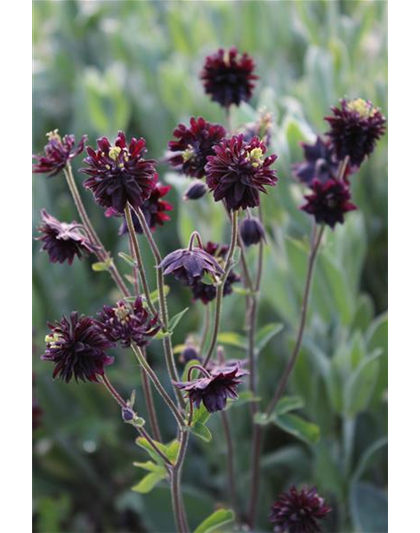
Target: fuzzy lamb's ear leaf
215, 521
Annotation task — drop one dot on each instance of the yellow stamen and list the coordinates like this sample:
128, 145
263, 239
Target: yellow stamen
114, 152
255, 156
188, 154
363, 109
53, 135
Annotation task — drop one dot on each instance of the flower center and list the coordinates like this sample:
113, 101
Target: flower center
114, 152
361, 107
52, 340
188, 154
54, 136
255, 157
122, 313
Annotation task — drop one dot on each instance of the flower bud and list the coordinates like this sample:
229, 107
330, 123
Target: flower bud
127, 414
251, 231
196, 190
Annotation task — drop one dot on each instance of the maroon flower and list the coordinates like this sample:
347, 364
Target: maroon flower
62, 241
128, 324
154, 210
193, 145
189, 266
205, 292
57, 152
251, 231
320, 162
119, 173
354, 129
329, 202
298, 511
77, 348
239, 172
214, 390
228, 77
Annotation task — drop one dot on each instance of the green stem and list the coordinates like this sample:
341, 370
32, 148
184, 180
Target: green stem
219, 290
150, 406
205, 327
230, 459
177, 499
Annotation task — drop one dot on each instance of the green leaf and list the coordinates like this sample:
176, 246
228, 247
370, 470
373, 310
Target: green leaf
149, 465
360, 386
201, 431
172, 450
242, 290
175, 320
244, 397
143, 443
289, 403
232, 339
102, 266
298, 427
128, 259
369, 508
366, 458
154, 295
149, 482
265, 334
214, 521
162, 334
200, 415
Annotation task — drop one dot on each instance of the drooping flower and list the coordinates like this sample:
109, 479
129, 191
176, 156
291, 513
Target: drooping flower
189, 266
126, 324
206, 292
193, 145
228, 77
238, 172
354, 129
251, 231
77, 347
62, 241
320, 162
297, 511
215, 389
329, 202
154, 210
196, 190
57, 152
119, 173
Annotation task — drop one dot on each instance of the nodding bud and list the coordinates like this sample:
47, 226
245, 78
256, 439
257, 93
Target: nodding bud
127, 414
251, 231
196, 190
190, 352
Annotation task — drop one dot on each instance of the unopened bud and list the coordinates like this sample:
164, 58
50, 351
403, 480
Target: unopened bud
251, 231
196, 190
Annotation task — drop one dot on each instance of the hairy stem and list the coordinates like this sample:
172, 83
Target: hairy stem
205, 328
150, 406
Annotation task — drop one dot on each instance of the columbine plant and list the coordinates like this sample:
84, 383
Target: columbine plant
235, 169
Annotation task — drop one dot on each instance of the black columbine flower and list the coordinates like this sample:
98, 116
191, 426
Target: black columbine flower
298, 511
320, 162
251, 231
228, 77
189, 266
62, 241
239, 172
56, 153
196, 190
154, 210
119, 173
205, 292
355, 128
126, 324
77, 348
215, 389
193, 145
329, 202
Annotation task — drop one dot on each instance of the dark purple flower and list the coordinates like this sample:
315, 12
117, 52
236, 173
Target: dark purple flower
251, 231
214, 391
57, 152
154, 210
298, 511
228, 77
196, 190
77, 348
193, 145
239, 172
128, 324
329, 202
189, 266
206, 292
62, 241
320, 162
119, 173
354, 129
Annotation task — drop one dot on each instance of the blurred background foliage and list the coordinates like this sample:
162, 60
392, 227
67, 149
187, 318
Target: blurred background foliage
101, 66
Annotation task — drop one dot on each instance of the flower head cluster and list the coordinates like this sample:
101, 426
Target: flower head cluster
329, 202
238, 172
119, 173
57, 152
126, 324
215, 388
298, 511
63, 242
320, 162
193, 145
354, 129
154, 210
228, 77
205, 292
189, 265
77, 347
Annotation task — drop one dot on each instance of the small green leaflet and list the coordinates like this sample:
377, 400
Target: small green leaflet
128, 259
215, 521
102, 266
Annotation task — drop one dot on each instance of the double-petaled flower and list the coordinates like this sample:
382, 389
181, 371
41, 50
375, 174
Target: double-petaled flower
57, 152
320, 162
119, 174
